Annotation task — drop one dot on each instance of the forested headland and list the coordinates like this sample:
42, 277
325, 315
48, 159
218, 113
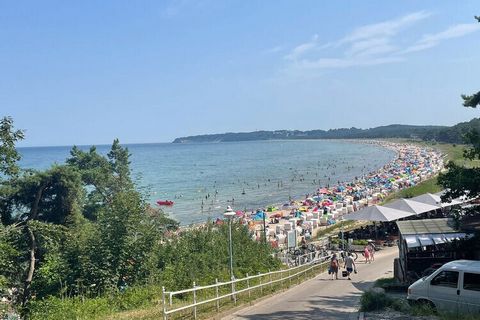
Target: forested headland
78, 240
454, 134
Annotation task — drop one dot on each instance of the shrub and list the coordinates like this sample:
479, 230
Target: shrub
360, 242
53, 308
371, 301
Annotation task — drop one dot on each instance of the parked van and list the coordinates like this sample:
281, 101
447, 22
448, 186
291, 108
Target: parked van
454, 287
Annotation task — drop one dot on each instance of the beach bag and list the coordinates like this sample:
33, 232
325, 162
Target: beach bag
344, 273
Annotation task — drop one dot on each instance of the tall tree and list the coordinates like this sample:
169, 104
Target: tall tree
9, 155
42, 197
460, 180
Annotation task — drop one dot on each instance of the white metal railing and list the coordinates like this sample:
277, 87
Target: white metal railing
286, 274
292, 260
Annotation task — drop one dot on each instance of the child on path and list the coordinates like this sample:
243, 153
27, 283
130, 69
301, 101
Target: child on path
371, 250
366, 253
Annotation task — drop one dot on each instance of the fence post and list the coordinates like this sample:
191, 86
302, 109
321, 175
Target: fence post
261, 287
289, 279
248, 287
270, 276
164, 305
194, 301
300, 274
233, 291
216, 293
170, 299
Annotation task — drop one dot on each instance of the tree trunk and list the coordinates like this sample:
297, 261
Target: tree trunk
34, 209
33, 243
31, 268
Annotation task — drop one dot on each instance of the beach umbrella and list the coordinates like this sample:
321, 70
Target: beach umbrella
323, 190
377, 213
411, 206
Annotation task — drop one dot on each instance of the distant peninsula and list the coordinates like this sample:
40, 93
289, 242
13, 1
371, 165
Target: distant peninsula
453, 134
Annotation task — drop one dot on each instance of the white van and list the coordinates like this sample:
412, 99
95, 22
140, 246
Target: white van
454, 287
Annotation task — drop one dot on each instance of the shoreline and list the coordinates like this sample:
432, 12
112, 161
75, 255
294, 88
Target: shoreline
311, 165
411, 165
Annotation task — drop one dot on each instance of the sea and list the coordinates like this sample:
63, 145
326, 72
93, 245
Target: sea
204, 178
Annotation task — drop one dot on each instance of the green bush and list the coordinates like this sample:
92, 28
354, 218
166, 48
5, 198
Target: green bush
371, 301
422, 309
54, 308
360, 242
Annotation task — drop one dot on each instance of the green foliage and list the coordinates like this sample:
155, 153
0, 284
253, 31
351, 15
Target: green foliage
201, 255
372, 301
383, 282
360, 242
453, 134
11, 247
9, 155
471, 101
54, 308
79, 241
460, 181
333, 229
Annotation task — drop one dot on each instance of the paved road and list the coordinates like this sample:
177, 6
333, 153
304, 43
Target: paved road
321, 297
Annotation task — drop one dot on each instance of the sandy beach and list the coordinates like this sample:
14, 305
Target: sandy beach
329, 204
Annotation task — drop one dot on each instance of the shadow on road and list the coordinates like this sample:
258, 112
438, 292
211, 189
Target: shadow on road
318, 307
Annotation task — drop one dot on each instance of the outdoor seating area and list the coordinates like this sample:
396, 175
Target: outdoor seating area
424, 243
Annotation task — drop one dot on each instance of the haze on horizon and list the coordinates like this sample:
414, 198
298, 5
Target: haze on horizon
87, 72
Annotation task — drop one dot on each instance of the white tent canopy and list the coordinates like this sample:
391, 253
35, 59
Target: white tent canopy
411, 206
434, 200
377, 213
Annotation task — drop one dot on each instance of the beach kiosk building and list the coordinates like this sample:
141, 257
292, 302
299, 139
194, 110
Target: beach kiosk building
423, 244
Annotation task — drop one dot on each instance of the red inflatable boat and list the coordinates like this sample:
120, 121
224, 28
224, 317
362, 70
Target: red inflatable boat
165, 203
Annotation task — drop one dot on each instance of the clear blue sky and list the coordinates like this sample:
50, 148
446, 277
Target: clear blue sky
86, 72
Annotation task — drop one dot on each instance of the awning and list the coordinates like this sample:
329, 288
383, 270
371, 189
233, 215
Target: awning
377, 213
423, 240
435, 200
412, 241
411, 206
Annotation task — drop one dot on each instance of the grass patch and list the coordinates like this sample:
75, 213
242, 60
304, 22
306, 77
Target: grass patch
390, 285
54, 308
334, 228
382, 282
428, 186
376, 301
426, 310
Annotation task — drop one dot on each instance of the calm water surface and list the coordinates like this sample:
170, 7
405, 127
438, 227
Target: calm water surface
251, 174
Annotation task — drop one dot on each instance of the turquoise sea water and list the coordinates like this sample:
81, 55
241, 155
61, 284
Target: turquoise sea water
251, 174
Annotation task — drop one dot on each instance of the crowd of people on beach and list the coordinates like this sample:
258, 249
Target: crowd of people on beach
328, 204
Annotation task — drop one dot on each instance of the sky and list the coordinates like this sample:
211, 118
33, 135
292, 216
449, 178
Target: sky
87, 72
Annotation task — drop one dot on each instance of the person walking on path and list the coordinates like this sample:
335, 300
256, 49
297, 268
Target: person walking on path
350, 265
366, 253
334, 266
371, 250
